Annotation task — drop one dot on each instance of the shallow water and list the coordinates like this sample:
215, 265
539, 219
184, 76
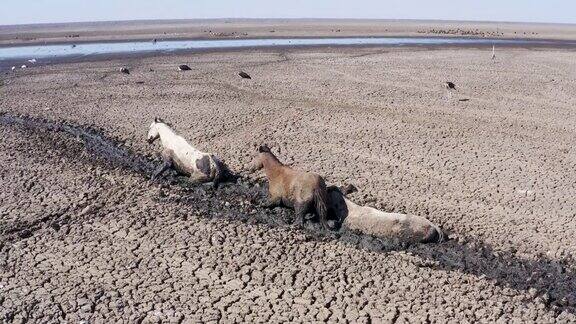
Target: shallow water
84, 49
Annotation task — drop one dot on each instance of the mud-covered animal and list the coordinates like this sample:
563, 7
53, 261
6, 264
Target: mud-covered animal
371, 221
302, 191
177, 153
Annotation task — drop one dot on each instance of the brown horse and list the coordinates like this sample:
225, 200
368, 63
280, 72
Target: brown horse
292, 188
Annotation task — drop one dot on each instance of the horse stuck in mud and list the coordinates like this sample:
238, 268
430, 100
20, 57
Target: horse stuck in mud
177, 153
292, 188
302, 191
371, 221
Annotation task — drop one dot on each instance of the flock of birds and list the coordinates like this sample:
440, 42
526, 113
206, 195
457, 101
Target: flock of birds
33, 61
450, 86
184, 67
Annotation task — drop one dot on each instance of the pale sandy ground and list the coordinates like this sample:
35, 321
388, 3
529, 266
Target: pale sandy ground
497, 172
267, 28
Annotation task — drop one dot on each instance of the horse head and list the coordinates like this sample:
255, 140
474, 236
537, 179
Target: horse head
264, 152
153, 132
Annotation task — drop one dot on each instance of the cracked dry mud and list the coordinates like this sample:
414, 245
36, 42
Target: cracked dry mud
84, 236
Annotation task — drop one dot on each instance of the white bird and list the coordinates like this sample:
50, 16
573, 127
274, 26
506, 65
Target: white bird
32, 61
23, 67
13, 68
493, 52
449, 87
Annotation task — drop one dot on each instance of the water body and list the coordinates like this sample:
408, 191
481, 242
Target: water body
38, 52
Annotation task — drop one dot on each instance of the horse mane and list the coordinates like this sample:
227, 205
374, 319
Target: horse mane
160, 120
264, 149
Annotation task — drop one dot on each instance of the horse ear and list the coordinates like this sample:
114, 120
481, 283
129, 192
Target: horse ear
264, 148
156, 120
348, 189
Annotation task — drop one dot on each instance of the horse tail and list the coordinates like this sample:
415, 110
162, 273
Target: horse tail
219, 170
321, 204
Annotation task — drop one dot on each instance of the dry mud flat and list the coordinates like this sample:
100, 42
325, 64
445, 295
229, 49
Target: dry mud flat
85, 237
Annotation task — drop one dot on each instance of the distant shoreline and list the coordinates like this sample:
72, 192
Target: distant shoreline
537, 44
143, 30
530, 42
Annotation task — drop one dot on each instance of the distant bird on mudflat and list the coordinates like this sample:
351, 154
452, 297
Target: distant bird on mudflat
450, 85
244, 75
184, 67
125, 70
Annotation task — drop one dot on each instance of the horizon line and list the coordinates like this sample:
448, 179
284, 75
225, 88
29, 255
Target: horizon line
292, 18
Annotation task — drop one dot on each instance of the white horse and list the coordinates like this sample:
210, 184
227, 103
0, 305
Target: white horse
371, 221
179, 154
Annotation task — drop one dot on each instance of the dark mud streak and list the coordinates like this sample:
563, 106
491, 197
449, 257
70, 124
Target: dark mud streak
552, 282
97, 145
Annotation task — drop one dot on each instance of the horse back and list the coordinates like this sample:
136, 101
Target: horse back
303, 185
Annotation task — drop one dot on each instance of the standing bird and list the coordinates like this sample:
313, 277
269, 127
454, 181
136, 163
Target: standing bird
493, 52
13, 68
125, 70
449, 87
244, 75
184, 67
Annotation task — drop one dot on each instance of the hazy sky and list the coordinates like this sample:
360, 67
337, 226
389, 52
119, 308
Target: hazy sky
41, 11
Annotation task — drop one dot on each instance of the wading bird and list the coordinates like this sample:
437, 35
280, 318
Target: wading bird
449, 87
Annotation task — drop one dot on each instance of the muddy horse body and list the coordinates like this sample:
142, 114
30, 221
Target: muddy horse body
177, 153
371, 221
299, 190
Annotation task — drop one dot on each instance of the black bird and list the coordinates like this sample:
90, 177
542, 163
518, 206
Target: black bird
244, 75
450, 85
125, 70
184, 67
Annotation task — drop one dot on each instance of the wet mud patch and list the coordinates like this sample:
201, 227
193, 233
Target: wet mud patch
242, 202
